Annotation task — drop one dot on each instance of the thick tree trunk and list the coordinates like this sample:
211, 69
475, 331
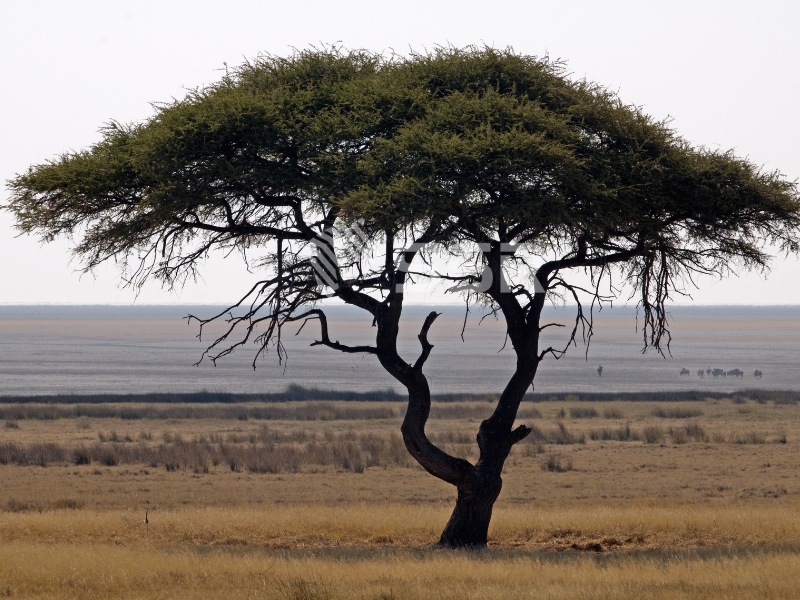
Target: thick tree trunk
468, 526
478, 485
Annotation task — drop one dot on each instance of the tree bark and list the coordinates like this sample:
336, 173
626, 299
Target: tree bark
478, 485
468, 526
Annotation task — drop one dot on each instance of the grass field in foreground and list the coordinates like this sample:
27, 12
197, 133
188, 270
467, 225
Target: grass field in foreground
101, 571
672, 500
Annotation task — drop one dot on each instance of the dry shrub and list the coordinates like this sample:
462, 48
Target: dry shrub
16, 506
559, 435
453, 437
302, 588
620, 434
305, 411
690, 432
747, 437
557, 463
36, 454
562, 435
677, 412
12, 425
258, 454
786, 400
582, 412
653, 434
718, 437
678, 435
696, 432
80, 456
462, 411
531, 450
612, 413
524, 414
66, 504
109, 457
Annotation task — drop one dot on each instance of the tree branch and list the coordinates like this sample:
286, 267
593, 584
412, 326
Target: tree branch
326, 341
423, 340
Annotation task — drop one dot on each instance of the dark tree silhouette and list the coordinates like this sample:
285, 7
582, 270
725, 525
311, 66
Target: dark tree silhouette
479, 159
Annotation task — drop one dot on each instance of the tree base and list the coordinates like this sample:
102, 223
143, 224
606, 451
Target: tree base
468, 527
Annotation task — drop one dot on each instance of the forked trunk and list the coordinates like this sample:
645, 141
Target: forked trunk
468, 526
478, 485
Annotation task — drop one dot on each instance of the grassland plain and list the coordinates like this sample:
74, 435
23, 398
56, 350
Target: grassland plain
605, 500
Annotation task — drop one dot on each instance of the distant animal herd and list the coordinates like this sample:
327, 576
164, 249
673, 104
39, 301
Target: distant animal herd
717, 373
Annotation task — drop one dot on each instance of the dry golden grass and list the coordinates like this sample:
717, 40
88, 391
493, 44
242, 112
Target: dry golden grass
597, 528
92, 571
710, 510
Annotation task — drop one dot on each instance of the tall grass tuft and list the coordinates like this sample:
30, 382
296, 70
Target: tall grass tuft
559, 435
582, 412
302, 588
653, 434
557, 463
677, 413
747, 437
264, 452
619, 434
691, 432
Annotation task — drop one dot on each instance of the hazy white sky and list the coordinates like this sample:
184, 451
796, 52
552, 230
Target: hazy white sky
728, 73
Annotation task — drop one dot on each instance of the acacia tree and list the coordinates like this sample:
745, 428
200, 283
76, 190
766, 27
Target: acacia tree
480, 158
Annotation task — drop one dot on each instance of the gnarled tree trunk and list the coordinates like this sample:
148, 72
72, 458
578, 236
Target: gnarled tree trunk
468, 526
478, 485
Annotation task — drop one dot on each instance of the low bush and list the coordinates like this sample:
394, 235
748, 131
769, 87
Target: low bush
678, 435
80, 456
36, 454
677, 412
619, 434
653, 434
453, 437
300, 588
786, 400
528, 413
562, 435
346, 451
696, 432
305, 411
557, 463
16, 506
747, 437
531, 450
582, 412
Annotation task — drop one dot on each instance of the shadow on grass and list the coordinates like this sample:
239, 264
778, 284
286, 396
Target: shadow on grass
658, 555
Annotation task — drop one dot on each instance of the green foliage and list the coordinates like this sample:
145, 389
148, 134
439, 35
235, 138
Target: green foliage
207, 170
458, 146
